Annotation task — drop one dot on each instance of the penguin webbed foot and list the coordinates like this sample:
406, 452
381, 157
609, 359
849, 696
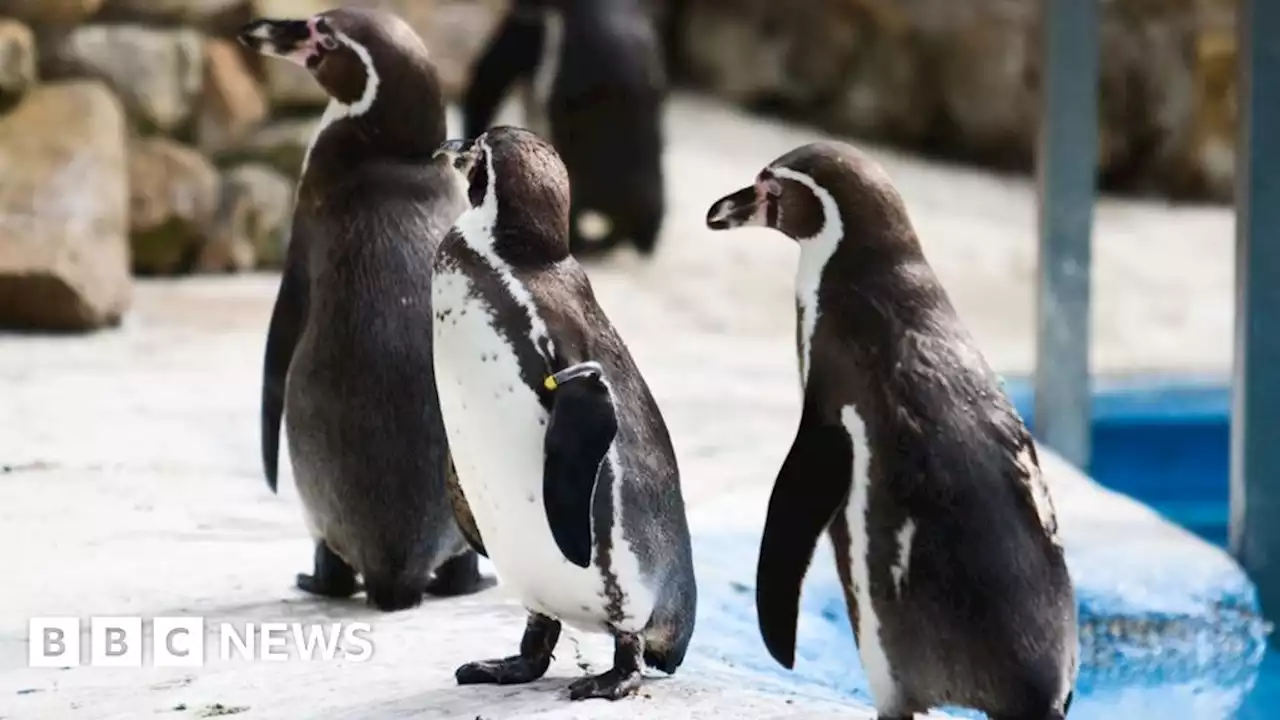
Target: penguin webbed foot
620, 681
514, 670
540, 636
332, 577
459, 575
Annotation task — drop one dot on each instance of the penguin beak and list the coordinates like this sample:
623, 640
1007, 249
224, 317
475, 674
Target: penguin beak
302, 42
748, 206
461, 154
573, 372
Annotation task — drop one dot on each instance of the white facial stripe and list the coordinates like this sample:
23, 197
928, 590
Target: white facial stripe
371, 79
337, 110
814, 253
476, 227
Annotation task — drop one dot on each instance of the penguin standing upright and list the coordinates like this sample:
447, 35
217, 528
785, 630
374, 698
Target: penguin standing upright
562, 454
348, 358
595, 83
911, 457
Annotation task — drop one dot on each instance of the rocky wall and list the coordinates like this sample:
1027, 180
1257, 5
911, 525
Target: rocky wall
961, 78
138, 137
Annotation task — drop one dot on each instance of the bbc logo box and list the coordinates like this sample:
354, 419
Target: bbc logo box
180, 642
55, 642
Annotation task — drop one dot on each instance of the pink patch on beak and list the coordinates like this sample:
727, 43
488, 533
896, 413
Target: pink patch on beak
311, 48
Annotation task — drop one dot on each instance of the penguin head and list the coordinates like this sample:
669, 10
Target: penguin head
354, 53
517, 187
823, 189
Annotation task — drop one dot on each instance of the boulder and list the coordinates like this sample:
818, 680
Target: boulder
962, 79
232, 103
292, 88
17, 61
279, 143
455, 31
156, 71
253, 221
46, 13
64, 252
173, 196
189, 12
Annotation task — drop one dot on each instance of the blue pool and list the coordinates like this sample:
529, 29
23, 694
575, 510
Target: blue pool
1166, 442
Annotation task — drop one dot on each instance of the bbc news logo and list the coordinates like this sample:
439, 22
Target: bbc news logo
181, 642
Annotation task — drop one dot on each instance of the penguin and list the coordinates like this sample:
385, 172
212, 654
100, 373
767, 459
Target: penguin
595, 87
563, 457
911, 457
348, 359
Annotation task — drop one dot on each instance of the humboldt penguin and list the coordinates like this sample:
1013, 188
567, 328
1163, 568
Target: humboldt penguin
911, 457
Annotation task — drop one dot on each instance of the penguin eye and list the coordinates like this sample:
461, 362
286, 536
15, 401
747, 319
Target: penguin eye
328, 43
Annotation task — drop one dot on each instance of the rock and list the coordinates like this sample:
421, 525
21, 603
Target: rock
1209, 167
731, 48
291, 88
42, 13
993, 97
17, 61
232, 103
455, 31
253, 221
279, 143
173, 195
962, 79
191, 12
156, 71
64, 253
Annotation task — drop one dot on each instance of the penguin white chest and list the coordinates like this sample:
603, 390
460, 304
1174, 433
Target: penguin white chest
496, 428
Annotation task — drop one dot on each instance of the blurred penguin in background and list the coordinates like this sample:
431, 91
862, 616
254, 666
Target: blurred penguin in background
594, 85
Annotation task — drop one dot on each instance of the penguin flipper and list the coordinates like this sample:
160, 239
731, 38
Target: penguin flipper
582, 427
511, 53
288, 317
812, 485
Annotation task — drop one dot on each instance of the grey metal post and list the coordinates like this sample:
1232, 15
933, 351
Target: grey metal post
1255, 417
1067, 169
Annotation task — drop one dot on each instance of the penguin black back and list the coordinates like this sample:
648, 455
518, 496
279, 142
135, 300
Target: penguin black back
369, 454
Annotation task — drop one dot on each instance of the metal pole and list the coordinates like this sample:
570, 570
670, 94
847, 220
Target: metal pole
1255, 417
1067, 169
